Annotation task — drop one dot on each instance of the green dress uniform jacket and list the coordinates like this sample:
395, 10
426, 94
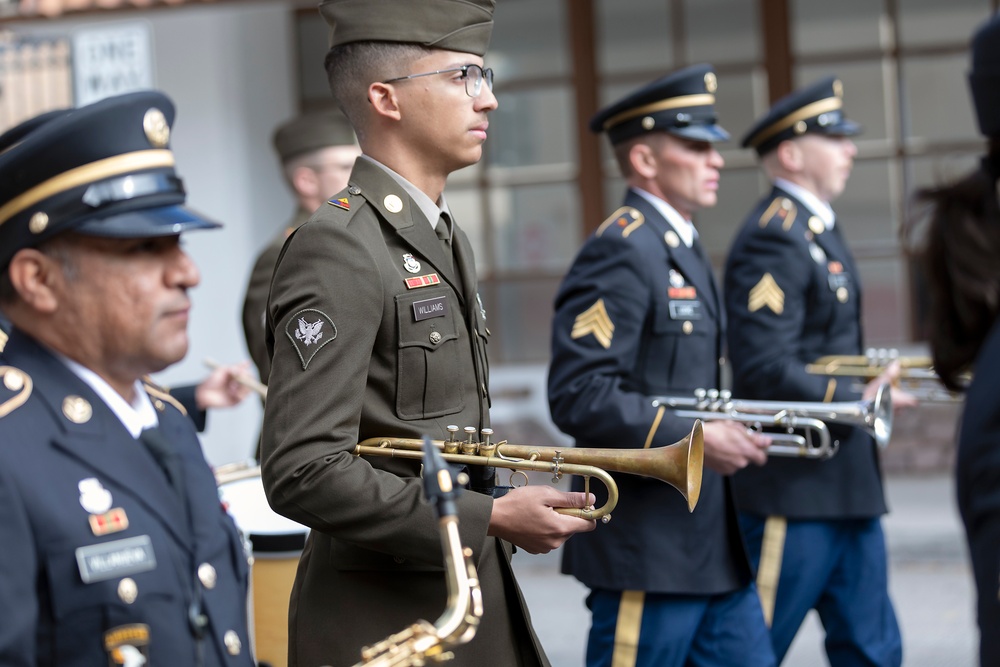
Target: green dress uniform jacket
255, 301
372, 333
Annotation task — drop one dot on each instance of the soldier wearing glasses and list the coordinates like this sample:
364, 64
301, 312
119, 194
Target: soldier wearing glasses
376, 329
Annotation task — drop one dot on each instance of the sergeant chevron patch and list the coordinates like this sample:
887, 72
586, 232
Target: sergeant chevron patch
594, 321
767, 293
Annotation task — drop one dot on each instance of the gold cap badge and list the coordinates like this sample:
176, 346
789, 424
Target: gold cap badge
38, 222
711, 83
157, 130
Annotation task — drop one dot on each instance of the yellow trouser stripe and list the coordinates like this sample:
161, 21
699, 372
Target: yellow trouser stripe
770, 564
627, 629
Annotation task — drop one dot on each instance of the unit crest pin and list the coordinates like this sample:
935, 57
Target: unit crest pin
410, 263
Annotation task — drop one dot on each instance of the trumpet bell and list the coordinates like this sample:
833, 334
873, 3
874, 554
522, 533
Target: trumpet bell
881, 416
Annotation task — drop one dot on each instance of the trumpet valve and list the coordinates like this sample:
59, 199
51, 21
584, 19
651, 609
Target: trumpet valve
486, 448
451, 444
470, 446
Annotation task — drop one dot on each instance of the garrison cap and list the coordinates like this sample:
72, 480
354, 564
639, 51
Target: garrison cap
453, 25
105, 169
311, 132
681, 103
817, 108
984, 79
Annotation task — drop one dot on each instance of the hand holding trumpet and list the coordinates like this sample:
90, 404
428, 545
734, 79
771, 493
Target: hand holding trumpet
526, 517
890, 376
730, 447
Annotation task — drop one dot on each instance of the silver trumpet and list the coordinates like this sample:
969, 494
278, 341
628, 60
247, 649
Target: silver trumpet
814, 441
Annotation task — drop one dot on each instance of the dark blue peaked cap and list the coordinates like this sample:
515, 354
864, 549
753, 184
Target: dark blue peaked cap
984, 79
104, 170
681, 103
817, 108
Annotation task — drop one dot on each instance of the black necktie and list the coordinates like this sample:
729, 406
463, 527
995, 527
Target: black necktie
165, 457
443, 231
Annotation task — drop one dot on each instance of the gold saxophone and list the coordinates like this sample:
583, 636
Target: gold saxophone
423, 643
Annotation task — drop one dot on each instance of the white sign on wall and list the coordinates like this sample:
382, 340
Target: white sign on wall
111, 60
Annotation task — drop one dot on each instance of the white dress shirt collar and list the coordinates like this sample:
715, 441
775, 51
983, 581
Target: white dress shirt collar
817, 206
685, 230
134, 417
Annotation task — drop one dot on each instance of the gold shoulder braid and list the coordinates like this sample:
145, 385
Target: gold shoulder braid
18, 381
626, 218
162, 393
781, 209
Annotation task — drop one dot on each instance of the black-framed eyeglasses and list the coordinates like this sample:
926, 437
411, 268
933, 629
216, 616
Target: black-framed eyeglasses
474, 75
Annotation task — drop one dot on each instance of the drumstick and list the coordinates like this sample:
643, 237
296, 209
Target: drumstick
244, 380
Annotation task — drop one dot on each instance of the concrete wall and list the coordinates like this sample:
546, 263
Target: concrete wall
230, 71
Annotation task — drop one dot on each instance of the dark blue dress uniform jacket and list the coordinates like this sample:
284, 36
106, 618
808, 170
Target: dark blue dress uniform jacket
48, 615
769, 351
601, 396
978, 487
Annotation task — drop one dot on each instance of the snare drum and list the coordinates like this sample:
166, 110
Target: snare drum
276, 543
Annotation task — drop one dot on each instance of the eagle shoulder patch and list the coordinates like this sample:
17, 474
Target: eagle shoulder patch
594, 321
767, 293
309, 330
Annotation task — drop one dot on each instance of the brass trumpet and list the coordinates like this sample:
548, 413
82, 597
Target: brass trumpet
916, 373
678, 464
874, 416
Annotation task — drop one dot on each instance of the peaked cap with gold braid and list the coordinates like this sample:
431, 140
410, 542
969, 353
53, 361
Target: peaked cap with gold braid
816, 108
105, 169
681, 103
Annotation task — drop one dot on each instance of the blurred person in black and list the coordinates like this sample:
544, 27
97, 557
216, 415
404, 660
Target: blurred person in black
961, 260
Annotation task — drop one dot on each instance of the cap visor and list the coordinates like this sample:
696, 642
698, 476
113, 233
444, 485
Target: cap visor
709, 133
147, 223
845, 128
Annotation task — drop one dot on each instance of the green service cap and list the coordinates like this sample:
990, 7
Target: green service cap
453, 25
311, 132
